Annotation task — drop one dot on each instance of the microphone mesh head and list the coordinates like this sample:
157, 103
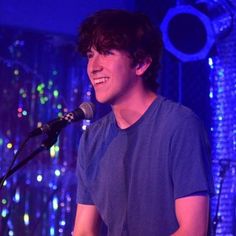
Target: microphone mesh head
88, 109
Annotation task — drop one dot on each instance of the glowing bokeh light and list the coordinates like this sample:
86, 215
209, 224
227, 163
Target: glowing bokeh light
26, 219
39, 178
57, 173
9, 145
4, 212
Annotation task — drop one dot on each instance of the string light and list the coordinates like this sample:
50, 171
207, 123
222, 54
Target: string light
222, 95
52, 231
16, 72
26, 219
62, 223
39, 178
4, 212
57, 173
4, 201
55, 203
17, 196
59, 106
11, 233
55, 93
55, 72
9, 145
38, 190
54, 151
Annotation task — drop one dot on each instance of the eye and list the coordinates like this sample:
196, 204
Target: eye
108, 52
89, 55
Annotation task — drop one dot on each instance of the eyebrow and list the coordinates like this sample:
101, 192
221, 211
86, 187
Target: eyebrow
89, 50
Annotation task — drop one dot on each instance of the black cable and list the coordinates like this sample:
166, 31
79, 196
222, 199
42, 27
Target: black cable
13, 161
217, 219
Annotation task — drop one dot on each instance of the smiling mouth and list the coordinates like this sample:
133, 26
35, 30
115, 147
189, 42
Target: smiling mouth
100, 80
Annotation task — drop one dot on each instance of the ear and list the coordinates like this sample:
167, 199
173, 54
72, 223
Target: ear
141, 67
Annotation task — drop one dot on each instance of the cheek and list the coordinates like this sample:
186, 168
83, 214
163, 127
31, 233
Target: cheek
88, 67
88, 70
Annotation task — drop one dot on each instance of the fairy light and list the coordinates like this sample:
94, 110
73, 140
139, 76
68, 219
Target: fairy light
16, 72
59, 106
39, 178
62, 222
20, 109
4, 212
55, 72
24, 95
86, 123
26, 219
4, 201
57, 148
84, 127
40, 88
50, 84
43, 100
88, 93
8, 132
52, 231
24, 113
9, 145
54, 151
57, 172
21, 91
55, 93
11, 233
223, 99
17, 196
55, 203
39, 124
19, 115
39, 97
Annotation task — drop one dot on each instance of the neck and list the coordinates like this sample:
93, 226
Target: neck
130, 111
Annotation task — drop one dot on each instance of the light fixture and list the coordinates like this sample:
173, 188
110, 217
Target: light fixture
189, 32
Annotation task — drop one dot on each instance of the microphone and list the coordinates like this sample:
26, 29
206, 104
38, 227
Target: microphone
85, 111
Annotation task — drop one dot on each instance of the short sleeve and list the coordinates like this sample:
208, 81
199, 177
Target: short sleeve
191, 159
83, 194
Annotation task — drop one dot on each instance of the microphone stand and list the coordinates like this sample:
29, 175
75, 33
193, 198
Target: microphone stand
52, 129
46, 144
225, 165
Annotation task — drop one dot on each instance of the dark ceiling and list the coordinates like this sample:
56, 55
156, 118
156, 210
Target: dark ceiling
63, 17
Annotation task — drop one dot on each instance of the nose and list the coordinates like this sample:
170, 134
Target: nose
95, 64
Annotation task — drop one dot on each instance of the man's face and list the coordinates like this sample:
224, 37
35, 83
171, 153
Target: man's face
111, 75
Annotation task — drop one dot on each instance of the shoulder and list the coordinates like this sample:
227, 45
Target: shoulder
175, 109
183, 127
93, 137
100, 126
96, 132
176, 115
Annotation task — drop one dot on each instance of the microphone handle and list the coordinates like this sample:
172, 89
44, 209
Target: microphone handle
53, 126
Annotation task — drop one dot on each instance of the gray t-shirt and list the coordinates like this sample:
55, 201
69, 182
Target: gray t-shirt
134, 175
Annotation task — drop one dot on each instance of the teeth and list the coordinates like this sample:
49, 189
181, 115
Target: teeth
100, 80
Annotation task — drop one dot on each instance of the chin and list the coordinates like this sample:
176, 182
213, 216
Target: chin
105, 100
102, 99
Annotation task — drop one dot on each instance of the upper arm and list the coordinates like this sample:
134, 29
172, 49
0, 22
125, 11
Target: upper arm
192, 214
87, 221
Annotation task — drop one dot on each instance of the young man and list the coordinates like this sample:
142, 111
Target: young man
143, 169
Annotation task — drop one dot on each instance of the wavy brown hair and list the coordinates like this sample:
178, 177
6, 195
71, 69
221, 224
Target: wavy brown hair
126, 31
